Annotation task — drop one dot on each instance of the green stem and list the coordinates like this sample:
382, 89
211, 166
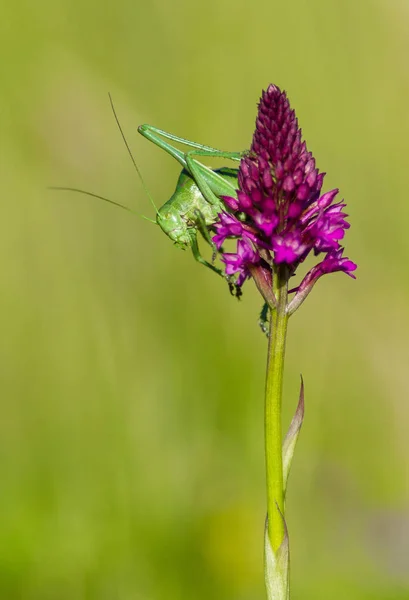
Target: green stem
274, 388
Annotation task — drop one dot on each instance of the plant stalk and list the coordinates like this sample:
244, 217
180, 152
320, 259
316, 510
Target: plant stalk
273, 398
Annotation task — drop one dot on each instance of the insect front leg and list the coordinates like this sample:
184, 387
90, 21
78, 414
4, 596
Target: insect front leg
200, 223
196, 253
235, 290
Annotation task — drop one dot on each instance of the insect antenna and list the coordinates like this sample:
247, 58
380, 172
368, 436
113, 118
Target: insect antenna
145, 187
70, 189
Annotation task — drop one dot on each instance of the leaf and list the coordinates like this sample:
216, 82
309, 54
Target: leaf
277, 568
292, 436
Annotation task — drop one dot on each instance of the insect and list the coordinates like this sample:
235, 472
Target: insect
196, 201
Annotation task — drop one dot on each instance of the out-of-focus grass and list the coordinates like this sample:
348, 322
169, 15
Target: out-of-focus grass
131, 398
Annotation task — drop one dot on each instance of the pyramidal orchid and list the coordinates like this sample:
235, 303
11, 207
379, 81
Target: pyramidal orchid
278, 217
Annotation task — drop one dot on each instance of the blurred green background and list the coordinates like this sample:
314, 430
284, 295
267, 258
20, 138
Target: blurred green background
131, 382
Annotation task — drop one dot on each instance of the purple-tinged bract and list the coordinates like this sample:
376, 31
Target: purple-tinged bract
279, 208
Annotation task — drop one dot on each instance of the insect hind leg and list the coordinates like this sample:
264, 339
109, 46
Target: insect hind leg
203, 182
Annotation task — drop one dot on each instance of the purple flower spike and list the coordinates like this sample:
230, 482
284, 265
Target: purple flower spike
279, 211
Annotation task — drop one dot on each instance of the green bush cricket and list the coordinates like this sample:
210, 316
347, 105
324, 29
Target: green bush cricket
196, 201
